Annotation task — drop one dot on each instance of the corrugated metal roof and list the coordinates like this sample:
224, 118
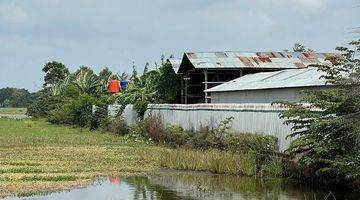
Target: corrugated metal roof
268, 80
259, 60
175, 62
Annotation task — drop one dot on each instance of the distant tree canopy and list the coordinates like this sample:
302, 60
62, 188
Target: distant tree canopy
14, 97
54, 72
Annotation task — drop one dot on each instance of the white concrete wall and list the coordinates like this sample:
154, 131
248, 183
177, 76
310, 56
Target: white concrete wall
248, 118
128, 114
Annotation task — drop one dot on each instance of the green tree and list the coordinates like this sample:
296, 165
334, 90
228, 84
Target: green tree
105, 73
87, 82
169, 85
54, 72
134, 75
301, 48
329, 129
83, 70
140, 92
15, 97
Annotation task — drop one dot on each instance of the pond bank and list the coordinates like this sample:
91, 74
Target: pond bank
175, 185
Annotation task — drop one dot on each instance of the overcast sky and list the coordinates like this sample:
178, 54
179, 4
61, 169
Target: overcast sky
115, 33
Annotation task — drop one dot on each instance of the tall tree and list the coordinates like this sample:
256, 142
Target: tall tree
169, 85
54, 73
329, 129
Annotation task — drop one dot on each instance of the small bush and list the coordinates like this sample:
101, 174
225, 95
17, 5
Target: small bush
154, 128
175, 136
42, 106
115, 125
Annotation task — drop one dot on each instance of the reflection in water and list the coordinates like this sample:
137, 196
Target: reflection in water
169, 185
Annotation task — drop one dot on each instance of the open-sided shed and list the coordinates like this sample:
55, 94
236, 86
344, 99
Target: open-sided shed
203, 70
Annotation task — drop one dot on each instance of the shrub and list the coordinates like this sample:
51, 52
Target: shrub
115, 125
175, 136
78, 111
154, 128
42, 106
61, 115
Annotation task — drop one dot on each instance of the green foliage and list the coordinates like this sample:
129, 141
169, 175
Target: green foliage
45, 103
55, 72
140, 92
329, 129
169, 85
301, 48
220, 138
87, 82
17, 98
156, 86
77, 111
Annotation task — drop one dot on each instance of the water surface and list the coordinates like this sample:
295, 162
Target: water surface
174, 185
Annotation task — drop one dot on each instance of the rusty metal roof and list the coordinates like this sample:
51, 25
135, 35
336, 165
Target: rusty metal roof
308, 77
253, 60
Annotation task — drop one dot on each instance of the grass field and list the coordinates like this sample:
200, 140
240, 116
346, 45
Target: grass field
13, 111
38, 157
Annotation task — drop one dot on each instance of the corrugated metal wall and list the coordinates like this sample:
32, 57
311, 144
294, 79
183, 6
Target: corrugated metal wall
248, 118
258, 96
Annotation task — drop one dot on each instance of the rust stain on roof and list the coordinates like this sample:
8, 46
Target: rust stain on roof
261, 60
246, 61
300, 65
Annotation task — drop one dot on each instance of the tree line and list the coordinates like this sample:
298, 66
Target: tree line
16, 97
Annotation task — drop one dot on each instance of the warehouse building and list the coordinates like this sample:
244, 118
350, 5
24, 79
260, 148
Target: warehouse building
203, 70
267, 87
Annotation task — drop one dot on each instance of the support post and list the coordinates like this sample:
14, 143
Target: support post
206, 86
182, 89
186, 78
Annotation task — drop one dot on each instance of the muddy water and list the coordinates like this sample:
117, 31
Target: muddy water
169, 185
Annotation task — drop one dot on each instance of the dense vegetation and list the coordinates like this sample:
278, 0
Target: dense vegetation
15, 97
67, 98
328, 131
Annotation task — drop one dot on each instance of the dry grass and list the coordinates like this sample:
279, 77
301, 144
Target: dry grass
38, 157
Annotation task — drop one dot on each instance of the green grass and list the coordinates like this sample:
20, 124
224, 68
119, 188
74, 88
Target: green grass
220, 162
214, 161
36, 156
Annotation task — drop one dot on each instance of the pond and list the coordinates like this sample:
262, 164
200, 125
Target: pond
174, 185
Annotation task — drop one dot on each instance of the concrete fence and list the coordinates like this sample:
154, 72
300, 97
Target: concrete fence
248, 118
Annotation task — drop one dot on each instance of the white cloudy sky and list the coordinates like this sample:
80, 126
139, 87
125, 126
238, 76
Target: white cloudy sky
116, 33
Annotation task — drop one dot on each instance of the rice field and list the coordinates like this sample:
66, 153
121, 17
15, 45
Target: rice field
13, 113
38, 157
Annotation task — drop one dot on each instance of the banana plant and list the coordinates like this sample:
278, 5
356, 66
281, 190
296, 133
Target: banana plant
87, 82
59, 87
